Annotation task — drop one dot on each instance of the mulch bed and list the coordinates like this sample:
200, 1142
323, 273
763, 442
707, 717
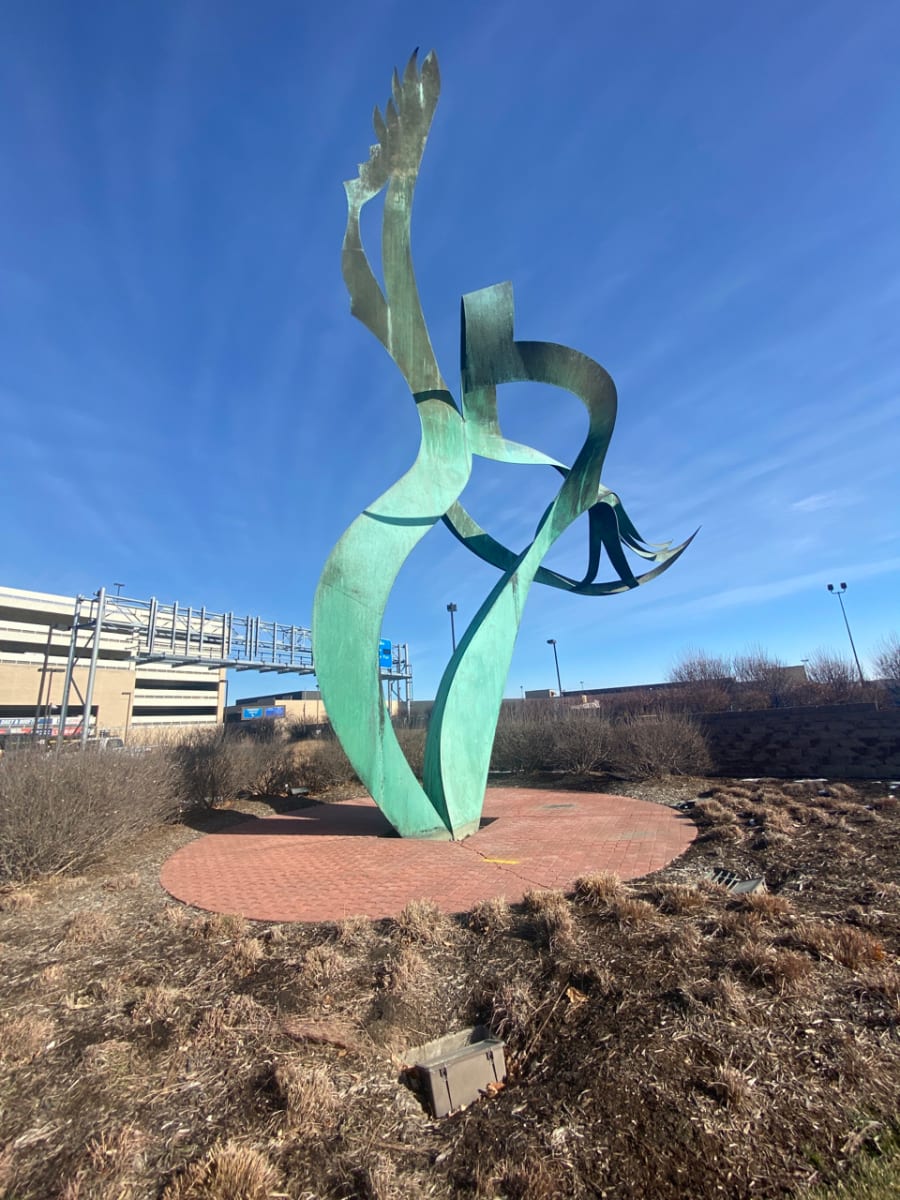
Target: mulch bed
665, 1039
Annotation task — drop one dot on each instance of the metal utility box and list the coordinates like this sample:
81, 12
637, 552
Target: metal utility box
457, 1069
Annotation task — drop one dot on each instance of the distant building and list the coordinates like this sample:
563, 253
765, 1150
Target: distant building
303, 706
35, 642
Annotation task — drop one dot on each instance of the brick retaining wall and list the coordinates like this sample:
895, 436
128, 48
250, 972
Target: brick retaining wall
846, 741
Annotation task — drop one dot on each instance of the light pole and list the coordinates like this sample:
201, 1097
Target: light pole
840, 596
451, 609
552, 642
118, 587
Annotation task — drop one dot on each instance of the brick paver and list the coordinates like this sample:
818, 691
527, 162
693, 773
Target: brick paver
337, 860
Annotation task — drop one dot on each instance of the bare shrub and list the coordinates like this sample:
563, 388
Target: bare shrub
581, 743
61, 812
216, 765
525, 743
412, 743
325, 765
765, 677
600, 888
696, 666
229, 1172
662, 743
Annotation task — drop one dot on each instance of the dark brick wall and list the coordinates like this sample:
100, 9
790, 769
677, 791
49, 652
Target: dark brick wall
845, 741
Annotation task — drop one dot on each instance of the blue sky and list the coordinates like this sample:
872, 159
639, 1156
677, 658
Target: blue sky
701, 196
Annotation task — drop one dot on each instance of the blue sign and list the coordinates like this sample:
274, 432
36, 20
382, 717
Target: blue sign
276, 710
250, 714
384, 655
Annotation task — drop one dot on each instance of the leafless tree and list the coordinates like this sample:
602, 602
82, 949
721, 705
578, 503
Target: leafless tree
764, 677
705, 681
887, 658
835, 676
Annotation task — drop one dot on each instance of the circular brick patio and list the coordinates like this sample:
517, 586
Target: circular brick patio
331, 861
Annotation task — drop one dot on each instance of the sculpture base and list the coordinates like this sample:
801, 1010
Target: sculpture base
330, 861
441, 833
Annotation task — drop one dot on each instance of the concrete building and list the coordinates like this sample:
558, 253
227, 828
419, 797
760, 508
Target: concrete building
35, 642
305, 707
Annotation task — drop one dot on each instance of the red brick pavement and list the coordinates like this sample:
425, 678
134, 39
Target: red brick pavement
337, 860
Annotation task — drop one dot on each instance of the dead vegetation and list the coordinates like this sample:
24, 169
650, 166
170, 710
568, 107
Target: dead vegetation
665, 1038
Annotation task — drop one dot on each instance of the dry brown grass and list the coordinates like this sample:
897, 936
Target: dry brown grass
355, 931
767, 904
310, 1099
490, 916
422, 921
713, 812
16, 900
158, 1005
552, 920
404, 971
732, 1088
600, 888
52, 974
680, 898
323, 965
629, 911
649, 1053
231, 1171
246, 953
883, 985
845, 944
780, 970
175, 915
88, 928
21, 1038
122, 883
220, 926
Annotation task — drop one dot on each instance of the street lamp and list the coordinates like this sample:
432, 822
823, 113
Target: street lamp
552, 642
451, 609
840, 596
118, 587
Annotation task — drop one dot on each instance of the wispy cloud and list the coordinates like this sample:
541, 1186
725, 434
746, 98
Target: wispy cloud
818, 501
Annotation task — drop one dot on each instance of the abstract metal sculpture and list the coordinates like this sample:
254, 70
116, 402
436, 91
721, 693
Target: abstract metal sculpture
353, 591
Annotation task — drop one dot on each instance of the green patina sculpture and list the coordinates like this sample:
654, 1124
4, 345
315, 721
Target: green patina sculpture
353, 591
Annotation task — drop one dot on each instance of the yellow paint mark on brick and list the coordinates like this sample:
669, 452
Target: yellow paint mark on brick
507, 862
